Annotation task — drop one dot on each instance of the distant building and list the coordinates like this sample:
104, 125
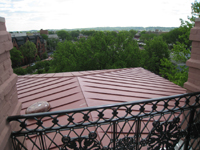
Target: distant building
137, 36
44, 32
17, 34
31, 34
36, 39
53, 36
82, 36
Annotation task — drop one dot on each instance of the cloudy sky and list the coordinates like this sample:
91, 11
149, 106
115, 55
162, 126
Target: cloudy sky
23, 15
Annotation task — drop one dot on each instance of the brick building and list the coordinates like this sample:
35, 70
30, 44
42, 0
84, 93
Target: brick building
44, 32
36, 39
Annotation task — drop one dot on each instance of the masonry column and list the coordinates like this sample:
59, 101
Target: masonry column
193, 83
9, 104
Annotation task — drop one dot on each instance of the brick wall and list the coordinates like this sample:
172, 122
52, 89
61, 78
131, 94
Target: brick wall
9, 104
193, 83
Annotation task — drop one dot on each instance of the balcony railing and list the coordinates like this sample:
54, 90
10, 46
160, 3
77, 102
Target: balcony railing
156, 124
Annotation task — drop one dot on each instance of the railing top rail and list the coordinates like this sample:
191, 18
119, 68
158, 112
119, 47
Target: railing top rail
11, 118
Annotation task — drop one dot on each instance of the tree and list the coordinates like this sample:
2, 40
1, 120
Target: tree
19, 71
44, 36
29, 51
155, 50
181, 51
103, 50
52, 43
16, 57
147, 36
172, 37
62, 34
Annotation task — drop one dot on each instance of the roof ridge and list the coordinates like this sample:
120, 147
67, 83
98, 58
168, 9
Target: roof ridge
72, 74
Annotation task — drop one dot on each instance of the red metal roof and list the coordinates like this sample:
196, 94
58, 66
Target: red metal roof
92, 88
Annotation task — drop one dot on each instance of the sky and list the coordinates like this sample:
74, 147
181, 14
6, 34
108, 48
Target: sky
24, 15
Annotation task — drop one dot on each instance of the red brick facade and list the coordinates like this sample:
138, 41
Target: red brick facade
44, 32
9, 104
37, 40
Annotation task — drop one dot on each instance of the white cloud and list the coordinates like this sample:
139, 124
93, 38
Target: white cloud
56, 14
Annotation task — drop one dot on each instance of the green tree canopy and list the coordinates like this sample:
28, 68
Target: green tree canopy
44, 36
16, 57
145, 36
103, 50
181, 51
29, 51
64, 35
155, 50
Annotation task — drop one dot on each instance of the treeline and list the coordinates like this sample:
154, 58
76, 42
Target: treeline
111, 50
165, 29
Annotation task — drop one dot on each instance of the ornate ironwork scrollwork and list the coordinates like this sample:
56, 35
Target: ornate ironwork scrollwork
165, 135
126, 143
81, 143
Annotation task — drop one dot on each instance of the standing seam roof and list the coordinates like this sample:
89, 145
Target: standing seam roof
72, 90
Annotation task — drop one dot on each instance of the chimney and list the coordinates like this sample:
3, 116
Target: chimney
193, 83
9, 104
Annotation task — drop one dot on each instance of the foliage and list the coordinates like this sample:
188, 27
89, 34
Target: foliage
195, 11
52, 43
172, 37
74, 34
51, 32
103, 50
147, 36
37, 58
124, 28
44, 36
44, 55
29, 51
16, 57
64, 35
155, 50
172, 73
181, 50
19, 71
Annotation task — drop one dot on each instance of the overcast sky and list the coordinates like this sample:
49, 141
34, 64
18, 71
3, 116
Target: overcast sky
23, 15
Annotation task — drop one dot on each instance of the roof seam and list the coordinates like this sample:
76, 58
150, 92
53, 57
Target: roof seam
82, 90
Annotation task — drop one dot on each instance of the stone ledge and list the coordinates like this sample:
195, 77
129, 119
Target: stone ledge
194, 82
191, 87
193, 63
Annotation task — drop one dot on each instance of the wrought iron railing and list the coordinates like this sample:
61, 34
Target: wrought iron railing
161, 124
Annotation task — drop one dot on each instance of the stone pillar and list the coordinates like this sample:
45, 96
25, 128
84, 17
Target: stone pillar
193, 83
9, 104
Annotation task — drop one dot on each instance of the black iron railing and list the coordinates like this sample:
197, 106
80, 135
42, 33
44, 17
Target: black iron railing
163, 123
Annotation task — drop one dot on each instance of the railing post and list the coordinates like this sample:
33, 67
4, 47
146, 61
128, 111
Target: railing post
137, 132
189, 128
114, 134
42, 141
